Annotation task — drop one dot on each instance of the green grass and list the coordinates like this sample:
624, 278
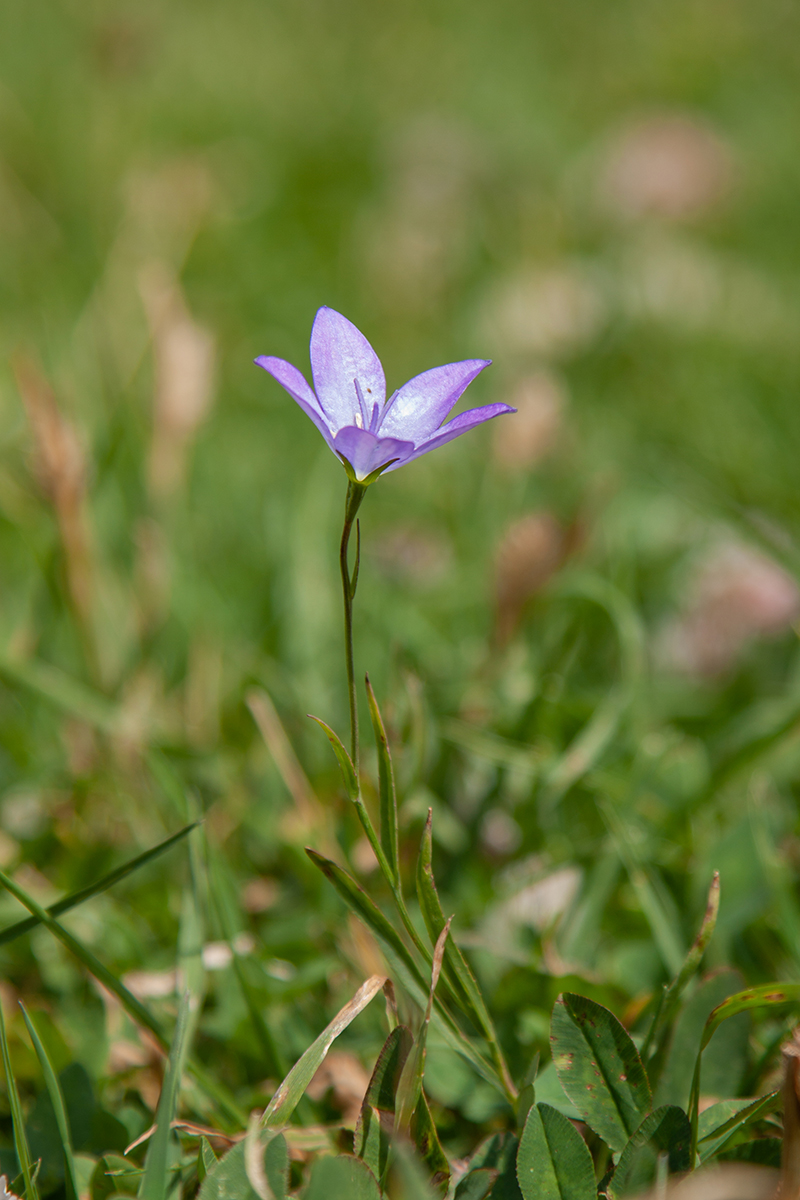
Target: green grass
407, 165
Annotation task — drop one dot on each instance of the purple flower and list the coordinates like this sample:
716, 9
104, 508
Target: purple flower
349, 407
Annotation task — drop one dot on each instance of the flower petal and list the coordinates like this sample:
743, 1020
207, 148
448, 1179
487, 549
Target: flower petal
365, 452
453, 429
421, 405
298, 388
339, 356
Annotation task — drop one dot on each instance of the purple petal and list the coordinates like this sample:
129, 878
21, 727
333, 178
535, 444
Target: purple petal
453, 429
339, 356
421, 405
365, 452
298, 388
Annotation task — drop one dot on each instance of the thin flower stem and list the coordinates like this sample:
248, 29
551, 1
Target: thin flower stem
355, 494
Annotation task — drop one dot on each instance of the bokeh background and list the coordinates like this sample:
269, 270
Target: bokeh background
581, 620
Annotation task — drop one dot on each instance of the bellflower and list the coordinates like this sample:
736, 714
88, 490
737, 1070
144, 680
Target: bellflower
348, 403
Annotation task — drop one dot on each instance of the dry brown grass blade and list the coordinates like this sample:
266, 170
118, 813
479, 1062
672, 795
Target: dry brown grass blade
184, 353
60, 468
309, 815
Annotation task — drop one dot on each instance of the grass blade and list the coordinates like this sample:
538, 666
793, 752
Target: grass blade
457, 969
343, 759
357, 899
17, 1118
57, 1101
285, 1100
409, 1089
95, 889
690, 966
155, 1183
133, 1007
769, 995
388, 796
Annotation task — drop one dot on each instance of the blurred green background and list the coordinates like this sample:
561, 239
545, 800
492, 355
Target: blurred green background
580, 620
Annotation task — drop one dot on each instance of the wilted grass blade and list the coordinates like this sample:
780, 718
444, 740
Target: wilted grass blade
283, 1103
156, 1180
95, 889
57, 1101
388, 796
17, 1118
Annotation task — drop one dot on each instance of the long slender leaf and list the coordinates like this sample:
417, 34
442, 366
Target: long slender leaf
371, 1141
456, 967
388, 797
156, 1178
690, 967
343, 759
134, 1008
17, 1118
284, 1102
95, 889
409, 1088
357, 899
769, 995
645, 882
723, 1121
57, 1101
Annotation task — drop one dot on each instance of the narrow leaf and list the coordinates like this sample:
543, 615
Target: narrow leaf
388, 797
283, 1103
409, 1088
57, 1101
457, 970
599, 1068
426, 1139
17, 1118
553, 1161
690, 967
95, 889
357, 899
769, 995
156, 1179
721, 1122
133, 1007
664, 1132
376, 1118
343, 758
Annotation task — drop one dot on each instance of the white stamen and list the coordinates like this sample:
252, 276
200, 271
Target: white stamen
359, 421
